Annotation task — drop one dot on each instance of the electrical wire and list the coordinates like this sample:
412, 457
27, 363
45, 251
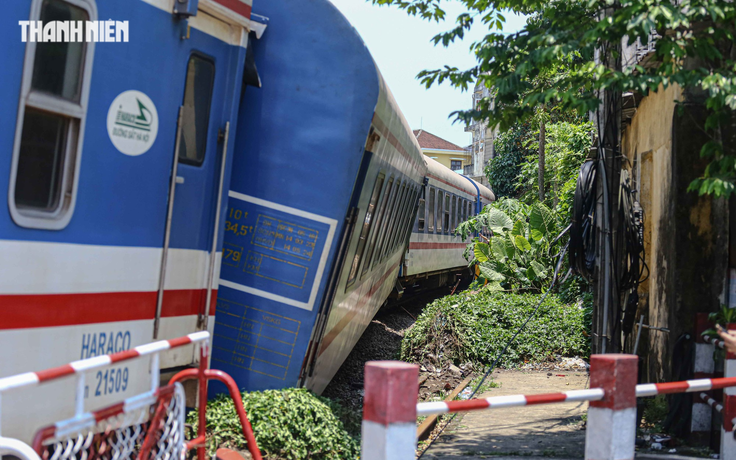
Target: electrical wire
582, 230
503, 351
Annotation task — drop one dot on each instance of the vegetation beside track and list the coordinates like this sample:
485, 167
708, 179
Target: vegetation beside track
475, 326
289, 424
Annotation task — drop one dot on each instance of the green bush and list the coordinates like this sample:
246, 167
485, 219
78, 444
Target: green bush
290, 424
475, 327
520, 254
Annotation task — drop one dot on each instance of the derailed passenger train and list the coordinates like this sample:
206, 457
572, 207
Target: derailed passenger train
151, 192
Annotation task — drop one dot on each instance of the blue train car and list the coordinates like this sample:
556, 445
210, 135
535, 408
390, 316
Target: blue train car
325, 185
112, 162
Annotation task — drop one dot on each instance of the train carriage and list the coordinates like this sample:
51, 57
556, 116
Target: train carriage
435, 251
325, 192
101, 249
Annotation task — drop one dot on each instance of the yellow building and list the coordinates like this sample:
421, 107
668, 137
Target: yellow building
445, 152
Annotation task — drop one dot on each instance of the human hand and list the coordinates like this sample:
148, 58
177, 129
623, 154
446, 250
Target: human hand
729, 338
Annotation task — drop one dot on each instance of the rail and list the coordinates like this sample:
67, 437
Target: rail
389, 415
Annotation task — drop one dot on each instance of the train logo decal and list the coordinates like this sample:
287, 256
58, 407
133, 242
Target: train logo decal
274, 251
132, 123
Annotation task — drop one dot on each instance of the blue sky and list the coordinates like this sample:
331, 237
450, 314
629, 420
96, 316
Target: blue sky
402, 47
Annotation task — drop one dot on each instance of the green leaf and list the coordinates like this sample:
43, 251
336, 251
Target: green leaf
498, 221
538, 269
542, 219
490, 274
498, 248
537, 235
494, 286
481, 252
522, 243
510, 248
518, 228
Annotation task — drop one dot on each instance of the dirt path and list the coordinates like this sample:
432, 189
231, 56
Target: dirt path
543, 431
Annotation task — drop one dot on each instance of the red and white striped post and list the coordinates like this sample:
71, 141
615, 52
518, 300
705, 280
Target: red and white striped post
703, 368
728, 443
389, 429
611, 426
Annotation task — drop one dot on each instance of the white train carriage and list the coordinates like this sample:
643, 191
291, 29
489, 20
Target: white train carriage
435, 251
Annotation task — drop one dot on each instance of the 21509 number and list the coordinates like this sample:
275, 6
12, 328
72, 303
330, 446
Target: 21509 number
111, 381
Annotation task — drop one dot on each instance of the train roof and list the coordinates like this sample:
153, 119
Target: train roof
437, 171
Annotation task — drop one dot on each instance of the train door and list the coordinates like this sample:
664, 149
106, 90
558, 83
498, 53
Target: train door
190, 263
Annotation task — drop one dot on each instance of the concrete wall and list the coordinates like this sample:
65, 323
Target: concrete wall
686, 236
445, 156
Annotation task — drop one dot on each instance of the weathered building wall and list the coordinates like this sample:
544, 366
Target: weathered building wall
685, 236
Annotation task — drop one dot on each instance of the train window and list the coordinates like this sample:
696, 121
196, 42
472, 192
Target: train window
453, 214
384, 224
401, 220
51, 120
431, 225
447, 212
381, 254
197, 103
367, 222
440, 215
408, 217
395, 213
380, 213
421, 213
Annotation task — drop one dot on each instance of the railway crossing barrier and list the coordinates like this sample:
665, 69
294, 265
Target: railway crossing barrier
704, 367
146, 426
390, 410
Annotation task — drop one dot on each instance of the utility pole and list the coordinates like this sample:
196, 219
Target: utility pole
606, 311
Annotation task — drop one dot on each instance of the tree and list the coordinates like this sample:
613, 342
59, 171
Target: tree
693, 51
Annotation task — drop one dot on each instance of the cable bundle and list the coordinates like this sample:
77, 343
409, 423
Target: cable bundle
582, 231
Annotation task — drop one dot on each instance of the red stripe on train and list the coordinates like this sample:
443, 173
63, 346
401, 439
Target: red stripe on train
345, 320
239, 7
437, 246
50, 310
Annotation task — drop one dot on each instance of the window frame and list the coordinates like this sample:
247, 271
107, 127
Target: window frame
453, 213
422, 216
74, 112
440, 214
381, 235
431, 208
447, 222
211, 60
391, 233
365, 228
401, 220
376, 230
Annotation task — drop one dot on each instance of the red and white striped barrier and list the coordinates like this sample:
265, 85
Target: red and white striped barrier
497, 402
389, 430
711, 402
86, 365
728, 443
703, 367
714, 341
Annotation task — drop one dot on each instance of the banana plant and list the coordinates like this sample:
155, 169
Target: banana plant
512, 245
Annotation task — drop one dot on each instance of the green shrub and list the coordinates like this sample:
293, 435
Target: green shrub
475, 327
290, 424
519, 255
